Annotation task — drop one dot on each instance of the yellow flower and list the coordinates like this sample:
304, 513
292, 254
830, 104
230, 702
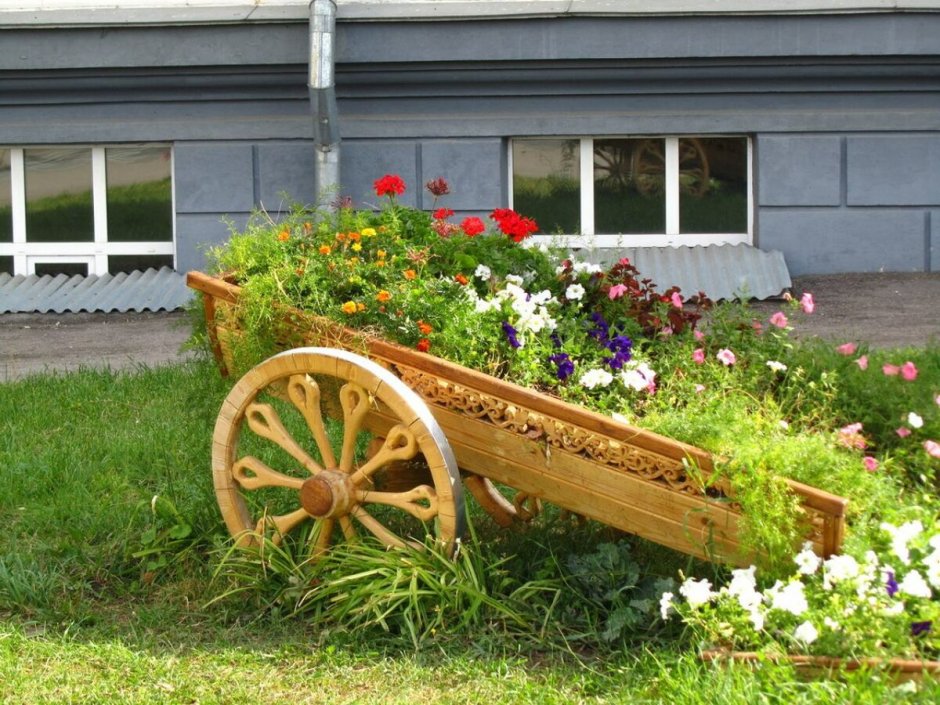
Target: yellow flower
380, 254
353, 260
349, 307
360, 307
356, 247
368, 232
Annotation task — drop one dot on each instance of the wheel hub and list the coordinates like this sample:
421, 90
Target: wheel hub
327, 494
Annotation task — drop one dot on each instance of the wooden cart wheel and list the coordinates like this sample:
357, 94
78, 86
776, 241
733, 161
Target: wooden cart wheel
649, 167
275, 465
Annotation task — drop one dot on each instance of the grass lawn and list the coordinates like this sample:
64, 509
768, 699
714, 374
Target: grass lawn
105, 592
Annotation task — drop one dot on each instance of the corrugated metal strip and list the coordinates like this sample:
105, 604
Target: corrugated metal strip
721, 271
151, 290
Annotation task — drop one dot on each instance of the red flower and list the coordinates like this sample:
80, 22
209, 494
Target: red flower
514, 225
389, 185
425, 328
438, 186
472, 226
423, 345
442, 213
461, 279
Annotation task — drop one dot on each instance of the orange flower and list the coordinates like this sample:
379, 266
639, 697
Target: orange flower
283, 235
423, 345
340, 237
383, 296
380, 263
354, 237
410, 274
380, 254
425, 328
349, 308
461, 279
308, 227
325, 249
360, 307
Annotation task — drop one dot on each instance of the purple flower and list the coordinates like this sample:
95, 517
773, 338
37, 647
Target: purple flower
511, 335
918, 628
891, 585
601, 329
565, 365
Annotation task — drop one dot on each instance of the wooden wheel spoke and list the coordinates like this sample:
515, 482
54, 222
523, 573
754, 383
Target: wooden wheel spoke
282, 524
377, 529
355, 402
265, 421
400, 444
420, 502
349, 531
251, 474
304, 393
324, 538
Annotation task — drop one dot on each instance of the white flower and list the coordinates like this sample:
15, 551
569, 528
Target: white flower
665, 604
743, 586
932, 564
514, 279
934, 541
806, 633
901, 536
914, 585
914, 421
588, 267
696, 592
620, 418
894, 609
776, 366
790, 598
832, 624
575, 292
806, 560
757, 619
838, 568
638, 376
596, 378
482, 272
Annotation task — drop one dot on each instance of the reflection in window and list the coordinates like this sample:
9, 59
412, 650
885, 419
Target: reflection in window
6, 200
712, 185
58, 195
6, 265
629, 185
139, 198
69, 269
546, 183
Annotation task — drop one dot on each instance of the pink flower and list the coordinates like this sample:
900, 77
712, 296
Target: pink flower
862, 362
726, 357
851, 436
616, 291
699, 388
698, 356
807, 303
757, 326
676, 299
932, 448
779, 320
870, 463
937, 399
903, 432
890, 370
909, 371
699, 335
847, 349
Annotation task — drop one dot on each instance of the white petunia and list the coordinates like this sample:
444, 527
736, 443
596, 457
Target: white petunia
757, 619
776, 366
575, 292
914, 585
790, 598
806, 633
832, 624
806, 560
696, 592
596, 378
839, 568
514, 279
482, 272
901, 536
638, 376
743, 586
914, 421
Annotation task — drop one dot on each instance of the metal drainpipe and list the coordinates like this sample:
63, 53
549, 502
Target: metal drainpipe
322, 89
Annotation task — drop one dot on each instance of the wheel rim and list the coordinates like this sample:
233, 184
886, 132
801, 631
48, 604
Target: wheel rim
276, 467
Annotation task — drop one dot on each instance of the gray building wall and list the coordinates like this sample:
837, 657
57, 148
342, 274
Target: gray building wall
844, 112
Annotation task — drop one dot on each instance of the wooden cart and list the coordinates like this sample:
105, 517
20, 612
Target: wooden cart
467, 429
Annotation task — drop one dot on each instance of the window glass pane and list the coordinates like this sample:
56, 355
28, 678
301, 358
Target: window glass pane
713, 185
140, 204
70, 269
6, 265
546, 183
6, 198
130, 263
58, 195
629, 186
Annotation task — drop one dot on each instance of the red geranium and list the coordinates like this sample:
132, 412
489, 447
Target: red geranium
438, 187
442, 213
514, 225
423, 345
472, 226
389, 185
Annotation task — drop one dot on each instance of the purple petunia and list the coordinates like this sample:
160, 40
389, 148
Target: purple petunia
601, 329
565, 365
918, 628
891, 585
621, 346
511, 335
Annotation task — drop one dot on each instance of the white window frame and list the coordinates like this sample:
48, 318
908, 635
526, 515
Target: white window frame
96, 252
672, 237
